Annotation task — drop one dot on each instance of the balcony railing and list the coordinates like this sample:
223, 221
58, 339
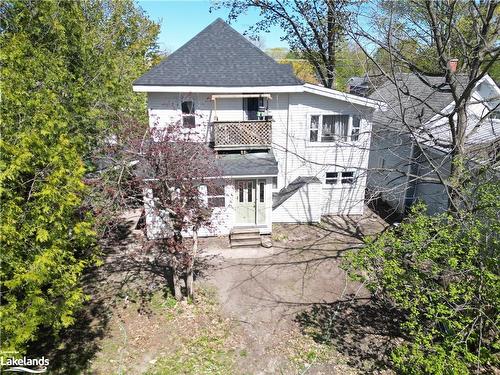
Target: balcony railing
235, 135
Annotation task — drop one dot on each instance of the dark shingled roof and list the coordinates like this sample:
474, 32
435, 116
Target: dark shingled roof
292, 188
436, 98
251, 164
219, 56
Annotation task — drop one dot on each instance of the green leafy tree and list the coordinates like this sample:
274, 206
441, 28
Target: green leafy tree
315, 28
66, 73
442, 274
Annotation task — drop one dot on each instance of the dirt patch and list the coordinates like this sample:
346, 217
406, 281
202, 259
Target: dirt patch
267, 295
264, 315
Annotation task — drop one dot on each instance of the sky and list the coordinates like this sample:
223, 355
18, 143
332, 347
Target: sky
180, 20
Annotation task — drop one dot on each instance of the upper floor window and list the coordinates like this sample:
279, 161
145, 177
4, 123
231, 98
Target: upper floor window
188, 117
356, 125
331, 128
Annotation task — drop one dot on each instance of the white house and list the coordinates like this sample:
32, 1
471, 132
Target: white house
400, 172
291, 151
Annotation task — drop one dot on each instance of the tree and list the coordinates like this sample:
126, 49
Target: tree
315, 28
441, 273
66, 74
422, 37
180, 174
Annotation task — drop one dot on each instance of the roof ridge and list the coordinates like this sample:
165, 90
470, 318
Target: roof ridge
250, 43
201, 61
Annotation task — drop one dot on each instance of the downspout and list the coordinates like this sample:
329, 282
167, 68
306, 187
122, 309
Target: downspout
286, 142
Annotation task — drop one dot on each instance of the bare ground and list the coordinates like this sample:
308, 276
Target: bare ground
287, 310
300, 289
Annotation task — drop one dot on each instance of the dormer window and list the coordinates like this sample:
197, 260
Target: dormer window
188, 117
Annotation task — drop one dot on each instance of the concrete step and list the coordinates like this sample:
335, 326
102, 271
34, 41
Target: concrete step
238, 230
235, 244
245, 236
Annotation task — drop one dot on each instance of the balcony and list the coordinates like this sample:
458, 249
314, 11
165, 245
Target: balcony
242, 135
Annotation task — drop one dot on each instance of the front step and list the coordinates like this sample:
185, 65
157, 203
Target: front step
245, 237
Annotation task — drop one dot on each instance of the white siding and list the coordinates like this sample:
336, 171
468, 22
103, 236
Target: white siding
296, 155
299, 157
302, 207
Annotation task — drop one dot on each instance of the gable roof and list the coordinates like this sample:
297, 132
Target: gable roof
425, 101
414, 110
219, 56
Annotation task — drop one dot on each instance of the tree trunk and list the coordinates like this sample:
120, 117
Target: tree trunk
190, 271
458, 170
176, 284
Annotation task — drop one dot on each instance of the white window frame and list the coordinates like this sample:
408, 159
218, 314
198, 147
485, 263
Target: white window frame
319, 130
185, 115
339, 179
223, 195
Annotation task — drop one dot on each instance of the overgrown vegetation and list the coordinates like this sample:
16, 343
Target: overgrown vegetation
442, 274
66, 74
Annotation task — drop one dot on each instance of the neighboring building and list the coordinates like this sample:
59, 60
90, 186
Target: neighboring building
399, 172
360, 86
291, 151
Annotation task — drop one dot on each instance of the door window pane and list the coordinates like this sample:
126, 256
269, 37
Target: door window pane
241, 192
250, 192
261, 191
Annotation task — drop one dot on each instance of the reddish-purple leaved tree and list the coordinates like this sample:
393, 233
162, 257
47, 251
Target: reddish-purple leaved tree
178, 171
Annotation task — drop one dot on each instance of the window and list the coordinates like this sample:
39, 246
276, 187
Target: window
331, 128
334, 126
213, 195
188, 117
241, 192
381, 162
356, 124
313, 132
216, 196
347, 177
331, 178
250, 191
495, 115
262, 190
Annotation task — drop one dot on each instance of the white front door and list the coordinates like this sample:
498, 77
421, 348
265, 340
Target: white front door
245, 202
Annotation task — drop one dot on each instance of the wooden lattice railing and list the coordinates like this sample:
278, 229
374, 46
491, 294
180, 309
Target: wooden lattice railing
242, 134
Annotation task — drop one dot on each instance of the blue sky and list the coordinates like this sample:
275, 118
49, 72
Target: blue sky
182, 19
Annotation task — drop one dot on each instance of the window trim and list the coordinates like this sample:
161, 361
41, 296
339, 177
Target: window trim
188, 115
337, 138
339, 179
206, 197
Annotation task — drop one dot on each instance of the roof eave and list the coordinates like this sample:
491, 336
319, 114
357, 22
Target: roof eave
343, 96
219, 89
